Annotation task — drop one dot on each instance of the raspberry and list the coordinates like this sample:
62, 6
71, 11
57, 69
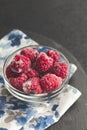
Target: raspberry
20, 64
43, 63
53, 54
32, 86
30, 53
9, 72
46, 74
50, 82
32, 73
18, 81
60, 69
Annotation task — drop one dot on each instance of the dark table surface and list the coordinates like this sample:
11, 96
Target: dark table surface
64, 21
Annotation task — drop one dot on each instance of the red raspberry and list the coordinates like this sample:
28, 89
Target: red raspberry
53, 54
18, 81
32, 73
50, 82
30, 53
20, 64
9, 72
60, 69
32, 86
43, 63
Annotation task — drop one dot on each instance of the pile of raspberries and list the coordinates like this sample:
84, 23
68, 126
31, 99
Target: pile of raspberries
34, 72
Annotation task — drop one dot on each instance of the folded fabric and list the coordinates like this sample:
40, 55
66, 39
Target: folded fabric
20, 115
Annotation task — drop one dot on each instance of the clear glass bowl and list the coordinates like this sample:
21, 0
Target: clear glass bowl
34, 98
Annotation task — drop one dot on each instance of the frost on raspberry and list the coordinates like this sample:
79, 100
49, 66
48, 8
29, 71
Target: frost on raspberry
18, 81
32, 54
20, 64
32, 86
60, 69
32, 73
43, 62
9, 72
50, 82
55, 55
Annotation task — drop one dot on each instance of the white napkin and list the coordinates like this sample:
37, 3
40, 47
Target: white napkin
16, 114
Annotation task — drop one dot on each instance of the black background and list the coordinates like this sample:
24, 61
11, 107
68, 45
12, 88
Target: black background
64, 21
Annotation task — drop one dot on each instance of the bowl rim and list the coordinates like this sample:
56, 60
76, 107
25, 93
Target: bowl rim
35, 95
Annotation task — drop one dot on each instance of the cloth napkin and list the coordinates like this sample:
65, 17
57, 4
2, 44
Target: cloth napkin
18, 115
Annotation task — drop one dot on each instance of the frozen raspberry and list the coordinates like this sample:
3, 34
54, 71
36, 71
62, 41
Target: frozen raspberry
53, 54
30, 53
18, 81
9, 72
50, 82
32, 86
20, 64
32, 73
43, 63
60, 69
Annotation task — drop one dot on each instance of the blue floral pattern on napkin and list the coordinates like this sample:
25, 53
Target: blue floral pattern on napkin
19, 115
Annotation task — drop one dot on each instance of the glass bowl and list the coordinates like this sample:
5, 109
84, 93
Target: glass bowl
34, 98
